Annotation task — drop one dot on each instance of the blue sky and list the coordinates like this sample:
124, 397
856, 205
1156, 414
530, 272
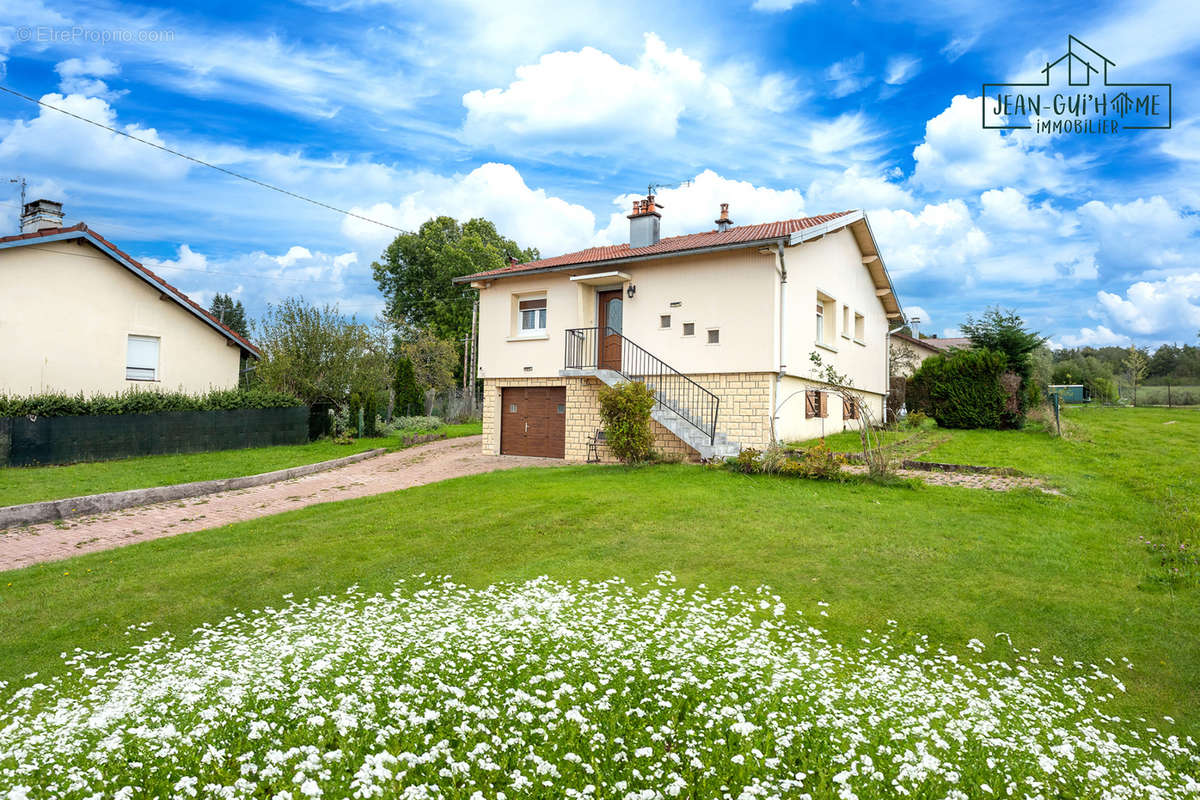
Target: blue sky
548, 117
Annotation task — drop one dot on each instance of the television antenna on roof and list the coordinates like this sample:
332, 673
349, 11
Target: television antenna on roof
21, 208
652, 189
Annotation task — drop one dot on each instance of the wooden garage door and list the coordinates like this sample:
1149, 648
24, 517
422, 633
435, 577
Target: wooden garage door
533, 421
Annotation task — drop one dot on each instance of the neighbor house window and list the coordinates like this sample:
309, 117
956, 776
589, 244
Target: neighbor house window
533, 316
664, 320
860, 327
689, 329
141, 358
714, 335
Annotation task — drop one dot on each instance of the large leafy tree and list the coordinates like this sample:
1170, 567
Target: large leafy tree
231, 313
416, 271
1005, 332
318, 354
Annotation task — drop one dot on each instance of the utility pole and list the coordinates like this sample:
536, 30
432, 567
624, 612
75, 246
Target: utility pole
474, 351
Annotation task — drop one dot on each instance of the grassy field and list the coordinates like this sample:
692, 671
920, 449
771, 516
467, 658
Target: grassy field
1157, 395
33, 484
1066, 574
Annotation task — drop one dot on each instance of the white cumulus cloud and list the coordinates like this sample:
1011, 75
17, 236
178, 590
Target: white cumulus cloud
587, 96
958, 154
495, 191
1169, 308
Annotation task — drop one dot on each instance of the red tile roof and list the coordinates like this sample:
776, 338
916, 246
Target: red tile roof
176, 295
673, 244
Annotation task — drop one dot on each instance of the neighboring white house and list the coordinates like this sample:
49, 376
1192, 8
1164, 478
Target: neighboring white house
78, 314
720, 324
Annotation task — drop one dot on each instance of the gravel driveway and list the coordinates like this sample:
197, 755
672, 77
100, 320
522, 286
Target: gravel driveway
415, 466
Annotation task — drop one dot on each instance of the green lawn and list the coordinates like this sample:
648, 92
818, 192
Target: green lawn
1065, 574
33, 484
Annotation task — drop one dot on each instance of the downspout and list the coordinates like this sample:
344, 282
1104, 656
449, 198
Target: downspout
781, 268
887, 363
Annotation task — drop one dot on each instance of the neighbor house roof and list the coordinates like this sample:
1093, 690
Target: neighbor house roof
81, 232
925, 343
791, 232
948, 343
744, 234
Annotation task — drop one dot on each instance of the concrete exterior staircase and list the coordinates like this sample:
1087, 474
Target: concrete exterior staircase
674, 421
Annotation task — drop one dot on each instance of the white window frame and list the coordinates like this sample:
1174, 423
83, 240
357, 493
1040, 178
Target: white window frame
536, 318
826, 321
131, 370
846, 321
860, 329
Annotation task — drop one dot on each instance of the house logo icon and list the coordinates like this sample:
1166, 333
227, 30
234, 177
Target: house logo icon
1081, 61
1077, 95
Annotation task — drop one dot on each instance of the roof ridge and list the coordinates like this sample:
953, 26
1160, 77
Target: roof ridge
664, 246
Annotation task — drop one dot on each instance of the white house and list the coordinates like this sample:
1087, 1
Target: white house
720, 324
78, 314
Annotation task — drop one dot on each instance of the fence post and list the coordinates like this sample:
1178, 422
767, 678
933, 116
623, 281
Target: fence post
1057, 423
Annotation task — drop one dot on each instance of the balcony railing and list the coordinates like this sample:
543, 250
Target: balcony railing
605, 348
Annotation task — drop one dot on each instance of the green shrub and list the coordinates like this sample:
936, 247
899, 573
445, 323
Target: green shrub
965, 389
817, 461
417, 424
135, 401
746, 462
820, 462
625, 411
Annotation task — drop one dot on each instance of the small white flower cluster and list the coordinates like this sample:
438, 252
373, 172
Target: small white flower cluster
584, 690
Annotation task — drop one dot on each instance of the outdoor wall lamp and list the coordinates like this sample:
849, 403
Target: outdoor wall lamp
631, 291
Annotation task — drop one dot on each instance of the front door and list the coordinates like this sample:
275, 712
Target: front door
610, 330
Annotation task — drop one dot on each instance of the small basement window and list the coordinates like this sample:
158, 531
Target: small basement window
141, 358
664, 320
860, 328
689, 329
714, 335
532, 320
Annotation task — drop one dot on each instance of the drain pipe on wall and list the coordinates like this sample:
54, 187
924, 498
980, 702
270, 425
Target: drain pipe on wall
781, 268
887, 361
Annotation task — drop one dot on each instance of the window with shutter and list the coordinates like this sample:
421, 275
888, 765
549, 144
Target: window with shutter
141, 358
849, 409
532, 320
824, 403
812, 403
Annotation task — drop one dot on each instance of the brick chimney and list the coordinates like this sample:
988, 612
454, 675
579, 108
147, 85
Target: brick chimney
724, 223
40, 215
644, 223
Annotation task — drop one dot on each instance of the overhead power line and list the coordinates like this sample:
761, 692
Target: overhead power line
195, 160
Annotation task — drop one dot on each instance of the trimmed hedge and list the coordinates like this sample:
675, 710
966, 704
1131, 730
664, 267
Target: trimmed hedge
61, 404
965, 389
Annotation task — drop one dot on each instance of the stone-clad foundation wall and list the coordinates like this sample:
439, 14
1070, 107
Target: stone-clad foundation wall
744, 415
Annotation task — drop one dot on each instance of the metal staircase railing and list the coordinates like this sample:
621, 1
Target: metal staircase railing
605, 348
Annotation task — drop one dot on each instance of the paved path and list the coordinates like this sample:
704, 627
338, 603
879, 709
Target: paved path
415, 466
